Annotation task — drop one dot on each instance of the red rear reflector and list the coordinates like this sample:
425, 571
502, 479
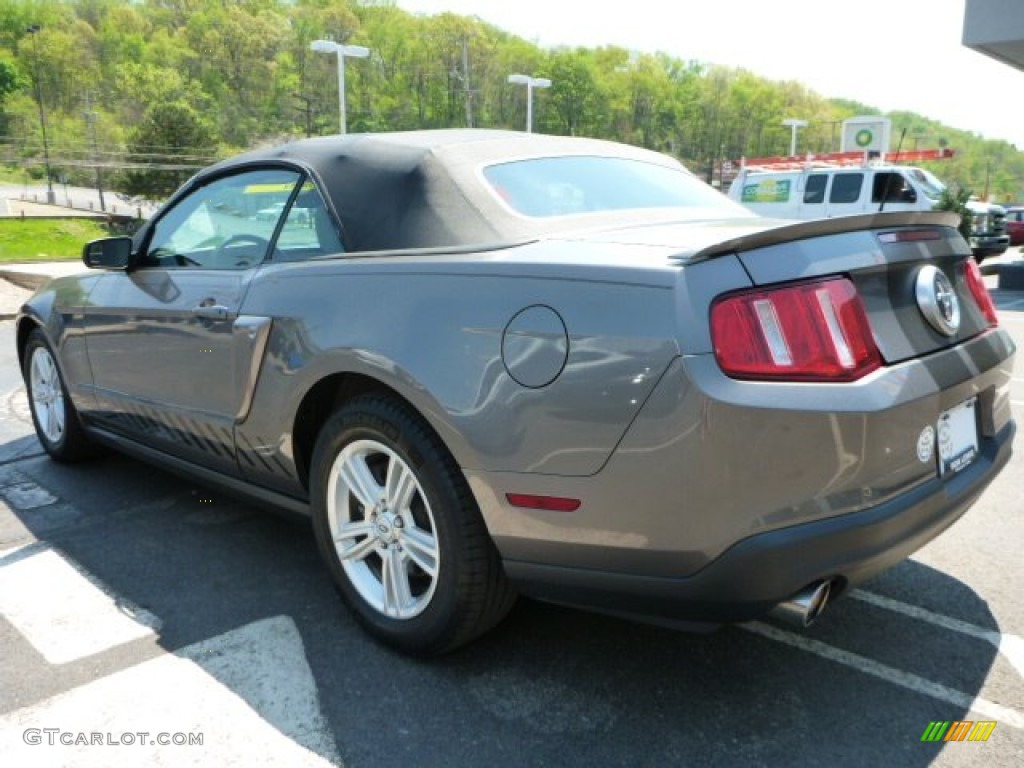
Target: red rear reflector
976, 284
808, 332
548, 503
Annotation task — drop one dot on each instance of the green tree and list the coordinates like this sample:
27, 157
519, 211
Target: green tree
956, 202
241, 72
170, 126
11, 81
575, 100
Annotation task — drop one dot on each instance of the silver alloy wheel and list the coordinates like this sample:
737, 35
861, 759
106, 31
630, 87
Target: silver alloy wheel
383, 529
47, 395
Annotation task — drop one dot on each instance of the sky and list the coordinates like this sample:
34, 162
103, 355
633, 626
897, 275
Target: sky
889, 54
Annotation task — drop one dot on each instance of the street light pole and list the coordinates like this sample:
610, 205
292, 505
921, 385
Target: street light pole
530, 83
343, 51
33, 29
794, 125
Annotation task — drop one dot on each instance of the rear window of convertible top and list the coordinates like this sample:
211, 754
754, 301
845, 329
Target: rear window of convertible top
569, 185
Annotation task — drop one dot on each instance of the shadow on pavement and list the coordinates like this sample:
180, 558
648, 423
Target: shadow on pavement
549, 686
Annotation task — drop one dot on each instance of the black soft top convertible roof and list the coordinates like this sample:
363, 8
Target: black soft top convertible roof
424, 189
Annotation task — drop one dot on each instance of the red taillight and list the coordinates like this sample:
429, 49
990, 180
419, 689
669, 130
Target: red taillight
808, 332
976, 284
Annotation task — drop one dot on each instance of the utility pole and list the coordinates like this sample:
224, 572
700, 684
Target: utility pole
33, 29
307, 110
90, 118
465, 83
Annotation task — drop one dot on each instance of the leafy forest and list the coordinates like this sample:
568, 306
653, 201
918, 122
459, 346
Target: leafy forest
144, 92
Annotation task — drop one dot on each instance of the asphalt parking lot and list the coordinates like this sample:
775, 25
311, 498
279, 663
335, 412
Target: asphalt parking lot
134, 602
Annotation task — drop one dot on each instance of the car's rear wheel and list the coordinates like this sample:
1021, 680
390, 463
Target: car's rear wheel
53, 414
400, 530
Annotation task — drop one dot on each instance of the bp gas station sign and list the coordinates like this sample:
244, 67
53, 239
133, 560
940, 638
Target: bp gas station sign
866, 134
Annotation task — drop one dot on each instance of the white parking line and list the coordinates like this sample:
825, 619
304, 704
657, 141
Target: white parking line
61, 610
248, 696
912, 682
1010, 646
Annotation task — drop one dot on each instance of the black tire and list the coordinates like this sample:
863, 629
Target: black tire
53, 414
428, 521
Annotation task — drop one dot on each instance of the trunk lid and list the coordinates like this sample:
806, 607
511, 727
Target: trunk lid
882, 253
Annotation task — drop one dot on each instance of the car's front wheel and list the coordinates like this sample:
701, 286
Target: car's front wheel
53, 414
400, 530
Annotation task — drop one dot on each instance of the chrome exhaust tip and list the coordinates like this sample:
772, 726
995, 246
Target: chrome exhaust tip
805, 606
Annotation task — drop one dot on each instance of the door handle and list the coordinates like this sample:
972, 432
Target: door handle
211, 311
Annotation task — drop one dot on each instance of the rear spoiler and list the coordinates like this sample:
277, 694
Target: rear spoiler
788, 231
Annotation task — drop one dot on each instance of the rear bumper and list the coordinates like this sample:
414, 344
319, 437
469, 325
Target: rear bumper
725, 497
762, 570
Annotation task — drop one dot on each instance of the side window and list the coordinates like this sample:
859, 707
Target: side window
846, 187
894, 187
814, 192
226, 224
308, 230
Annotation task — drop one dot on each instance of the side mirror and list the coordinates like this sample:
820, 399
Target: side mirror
108, 253
909, 195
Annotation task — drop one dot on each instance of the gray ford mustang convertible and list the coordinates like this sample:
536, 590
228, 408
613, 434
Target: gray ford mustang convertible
490, 363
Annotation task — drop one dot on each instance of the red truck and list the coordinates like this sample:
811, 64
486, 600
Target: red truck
1015, 224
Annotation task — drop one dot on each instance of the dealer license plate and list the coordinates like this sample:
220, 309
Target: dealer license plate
957, 432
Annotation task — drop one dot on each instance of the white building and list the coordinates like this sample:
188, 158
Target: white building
996, 28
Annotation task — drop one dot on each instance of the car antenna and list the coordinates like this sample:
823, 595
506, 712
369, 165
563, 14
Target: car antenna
888, 179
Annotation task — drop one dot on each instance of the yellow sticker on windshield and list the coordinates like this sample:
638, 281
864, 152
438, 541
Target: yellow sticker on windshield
260, 189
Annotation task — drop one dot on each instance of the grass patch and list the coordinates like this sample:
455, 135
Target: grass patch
13, 176
46, 239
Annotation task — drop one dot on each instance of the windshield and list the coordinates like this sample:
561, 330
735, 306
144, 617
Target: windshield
569, 185
928, 183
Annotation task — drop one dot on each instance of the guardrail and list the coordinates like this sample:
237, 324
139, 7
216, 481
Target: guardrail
116, 210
